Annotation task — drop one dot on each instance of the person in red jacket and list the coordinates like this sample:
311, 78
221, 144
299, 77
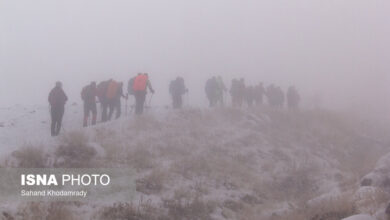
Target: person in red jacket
57, 99
140, 85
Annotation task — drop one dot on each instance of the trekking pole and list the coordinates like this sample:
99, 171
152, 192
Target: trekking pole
150, 100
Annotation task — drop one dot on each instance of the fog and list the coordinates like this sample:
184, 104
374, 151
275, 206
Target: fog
336, 50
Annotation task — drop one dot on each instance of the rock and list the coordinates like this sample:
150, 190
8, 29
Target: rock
366, 182
360, 217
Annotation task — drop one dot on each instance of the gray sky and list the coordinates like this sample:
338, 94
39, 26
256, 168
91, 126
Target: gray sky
339, 49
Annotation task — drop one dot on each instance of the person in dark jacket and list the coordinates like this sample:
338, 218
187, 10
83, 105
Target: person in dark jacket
177, 89
57, 99
221, 89
88, 95
101, 94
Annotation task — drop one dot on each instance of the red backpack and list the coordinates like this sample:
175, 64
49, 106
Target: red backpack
112, 89
140, 83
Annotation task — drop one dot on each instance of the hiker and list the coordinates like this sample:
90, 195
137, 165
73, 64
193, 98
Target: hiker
112, 98
271, 94
238, 91
115, 102
130, 92
234, 92
57, 99
88, 95
140, 86
293, 98
130, 89
259, 93
211, 91
250, 95
221, 89
102, 96
177, 89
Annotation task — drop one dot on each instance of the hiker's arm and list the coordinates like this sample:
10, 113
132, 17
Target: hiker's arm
150, 86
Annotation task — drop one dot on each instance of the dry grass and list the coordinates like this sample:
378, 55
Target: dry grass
334, 208
41, 210
194, 209
152, 183
297, 183
372, 200
75, 151
129, 211
30, 157
141, 159
206, 153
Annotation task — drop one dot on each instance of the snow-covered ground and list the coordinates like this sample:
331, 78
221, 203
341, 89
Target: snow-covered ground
222, 163
22, 125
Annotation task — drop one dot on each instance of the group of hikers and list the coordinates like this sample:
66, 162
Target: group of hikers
109, 94
251, 95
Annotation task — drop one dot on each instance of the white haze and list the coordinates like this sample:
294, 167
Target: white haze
337, 50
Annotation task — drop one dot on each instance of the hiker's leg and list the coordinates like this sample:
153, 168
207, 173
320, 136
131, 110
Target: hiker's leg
138, 103
118, 108
59, 122
111, 109
94, 113
53, 121
179, 101
104, 110
175, 101
86, 114
143, 97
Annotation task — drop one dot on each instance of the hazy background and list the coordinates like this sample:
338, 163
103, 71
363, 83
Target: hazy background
334, 50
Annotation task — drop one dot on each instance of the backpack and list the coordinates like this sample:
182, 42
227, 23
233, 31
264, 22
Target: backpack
101, 90
140, 83
112, 89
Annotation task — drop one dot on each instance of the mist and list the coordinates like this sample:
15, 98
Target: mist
336, 50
